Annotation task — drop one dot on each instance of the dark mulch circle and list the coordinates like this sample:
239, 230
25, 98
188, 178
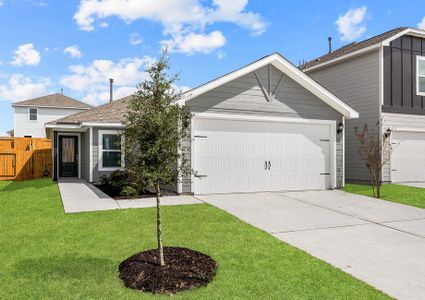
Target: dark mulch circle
184, 269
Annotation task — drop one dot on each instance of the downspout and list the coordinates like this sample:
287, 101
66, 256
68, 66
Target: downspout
343, 152
91, 154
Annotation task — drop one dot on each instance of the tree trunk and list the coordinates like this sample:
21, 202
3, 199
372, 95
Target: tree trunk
158, 225
378, 190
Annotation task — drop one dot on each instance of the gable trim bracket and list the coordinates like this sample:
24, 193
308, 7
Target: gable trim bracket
288, 69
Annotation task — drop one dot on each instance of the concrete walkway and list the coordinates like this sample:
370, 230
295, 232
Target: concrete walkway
80, 196
380, 242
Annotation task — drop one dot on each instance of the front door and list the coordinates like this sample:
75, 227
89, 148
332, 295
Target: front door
68, 156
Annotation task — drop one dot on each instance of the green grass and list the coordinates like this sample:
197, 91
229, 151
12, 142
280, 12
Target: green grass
47, 254
392, 192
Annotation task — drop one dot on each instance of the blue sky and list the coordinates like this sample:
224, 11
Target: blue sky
77, 45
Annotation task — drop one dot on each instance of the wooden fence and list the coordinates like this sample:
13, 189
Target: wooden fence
25, 158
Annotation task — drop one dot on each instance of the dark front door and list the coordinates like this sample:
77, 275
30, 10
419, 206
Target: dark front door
68, 156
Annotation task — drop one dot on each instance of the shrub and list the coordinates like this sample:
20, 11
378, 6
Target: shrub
120, 180
128, 191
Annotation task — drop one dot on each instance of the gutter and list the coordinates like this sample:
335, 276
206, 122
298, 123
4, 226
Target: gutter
344, 57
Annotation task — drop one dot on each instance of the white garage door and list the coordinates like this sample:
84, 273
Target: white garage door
247, 156
408, 157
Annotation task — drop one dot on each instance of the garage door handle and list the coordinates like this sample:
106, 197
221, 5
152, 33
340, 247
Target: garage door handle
265, 165
269, 164
200, 176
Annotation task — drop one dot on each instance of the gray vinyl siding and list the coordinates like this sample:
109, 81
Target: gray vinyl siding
85, 154
244, 96
356, 82
186, 180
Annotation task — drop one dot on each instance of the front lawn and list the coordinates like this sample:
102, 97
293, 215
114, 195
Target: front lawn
47, 254
392, 192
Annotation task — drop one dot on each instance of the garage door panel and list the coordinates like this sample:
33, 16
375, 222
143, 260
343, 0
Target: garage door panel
235, 156
408, 157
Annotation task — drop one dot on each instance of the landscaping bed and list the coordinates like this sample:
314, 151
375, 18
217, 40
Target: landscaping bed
141, 194
184, 269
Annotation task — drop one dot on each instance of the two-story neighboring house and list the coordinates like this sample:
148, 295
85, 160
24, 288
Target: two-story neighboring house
31, 115
383, 78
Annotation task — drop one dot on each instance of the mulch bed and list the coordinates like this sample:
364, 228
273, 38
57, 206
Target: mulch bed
145, 194
184, 269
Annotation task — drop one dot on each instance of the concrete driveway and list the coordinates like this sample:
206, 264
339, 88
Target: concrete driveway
419, 184
380, 242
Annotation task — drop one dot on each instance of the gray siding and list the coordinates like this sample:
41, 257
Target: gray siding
355, 81
244, 96
84, 156
186, 180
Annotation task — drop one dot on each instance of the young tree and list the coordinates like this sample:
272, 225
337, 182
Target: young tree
376, 153
155, 126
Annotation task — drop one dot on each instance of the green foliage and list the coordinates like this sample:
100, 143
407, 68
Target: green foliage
46, 254
120, 179
129, 191
155, 126
408, 195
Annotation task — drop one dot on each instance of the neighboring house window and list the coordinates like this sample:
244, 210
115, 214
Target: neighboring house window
110, 157
33, 114
420, 75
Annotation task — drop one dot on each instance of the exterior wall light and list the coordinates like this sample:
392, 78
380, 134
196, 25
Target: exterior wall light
340, 128
387, 133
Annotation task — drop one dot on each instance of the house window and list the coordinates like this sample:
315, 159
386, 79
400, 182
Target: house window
110, 157
32, 114
420, 75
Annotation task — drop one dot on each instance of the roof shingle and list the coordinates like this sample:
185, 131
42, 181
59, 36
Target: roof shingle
112, 112
54, 100
347, 49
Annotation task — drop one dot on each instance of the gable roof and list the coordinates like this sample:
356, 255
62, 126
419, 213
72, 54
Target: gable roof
111, 112
54, 100
354, 48
288, 69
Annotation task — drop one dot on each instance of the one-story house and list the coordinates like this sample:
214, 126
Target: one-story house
264, 127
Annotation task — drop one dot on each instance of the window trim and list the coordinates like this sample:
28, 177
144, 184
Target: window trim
100, 151
418, 59
29, 114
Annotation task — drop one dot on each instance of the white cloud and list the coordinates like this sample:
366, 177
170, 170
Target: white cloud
421, 25
18, 87
73, 51
93, 79
104, 25
26, 55
192, 42
135, 39
181, 19
351, 25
